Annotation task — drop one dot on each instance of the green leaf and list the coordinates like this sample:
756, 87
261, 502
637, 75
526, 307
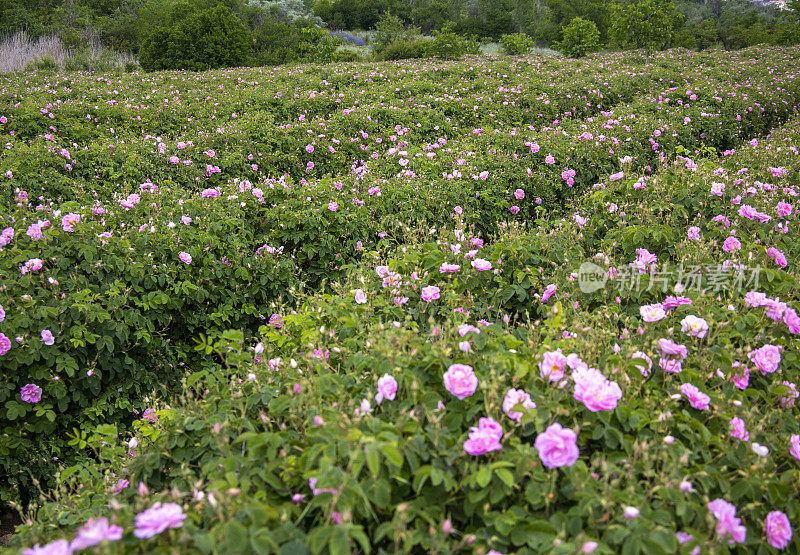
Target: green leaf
262, 543
506, 476
235, 536
339, 544
484, 476
373, 460
392, 454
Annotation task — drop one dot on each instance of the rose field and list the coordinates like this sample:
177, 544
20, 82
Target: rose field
494, 305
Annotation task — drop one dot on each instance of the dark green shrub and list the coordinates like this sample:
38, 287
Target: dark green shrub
451, 46
275, 44
317, 45
126, 315
345, 56
45, 63
517, 44
86, 60
580, 37
403, 50
199, 40
389, 29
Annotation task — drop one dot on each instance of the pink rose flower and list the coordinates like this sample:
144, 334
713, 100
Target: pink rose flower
731, 244
778, 256
595, 391
430, 293
778, 529
792, 320
766, 358
645, 371
31, 393
548, 292
552, 365
157, 519
484, 438
481, 265
694, 326
791, 396
644, 259
5, 344
58, 547
783, 209
697, 398
387, 388
727, 523
557, 446
185, 257
460, 380
68, 222
671, 302
150, 415
515, 397
738, 429
94, 532
360, 296
652, 312
794, 446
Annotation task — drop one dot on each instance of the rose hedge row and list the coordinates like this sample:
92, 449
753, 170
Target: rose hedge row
239, 451
125, 312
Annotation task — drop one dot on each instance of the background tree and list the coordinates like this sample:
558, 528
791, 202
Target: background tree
649, 24
197, 40
580, 38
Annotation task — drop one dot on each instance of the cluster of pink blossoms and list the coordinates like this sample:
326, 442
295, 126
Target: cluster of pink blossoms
777, 310
484, 438
151, 522
514, 398
728, 526
672, 356
594, 390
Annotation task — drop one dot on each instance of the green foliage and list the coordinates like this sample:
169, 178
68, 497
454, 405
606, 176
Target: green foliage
123, 326
45, 63
448, 45
390, 28
403, 50
86, 60
291, 457
143, 302
346, 56
316, 45
580, 37
197, 40
517, 44
648, 24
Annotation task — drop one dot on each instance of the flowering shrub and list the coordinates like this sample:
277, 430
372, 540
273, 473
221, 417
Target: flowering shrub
360, 345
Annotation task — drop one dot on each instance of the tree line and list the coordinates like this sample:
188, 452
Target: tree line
261, 32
